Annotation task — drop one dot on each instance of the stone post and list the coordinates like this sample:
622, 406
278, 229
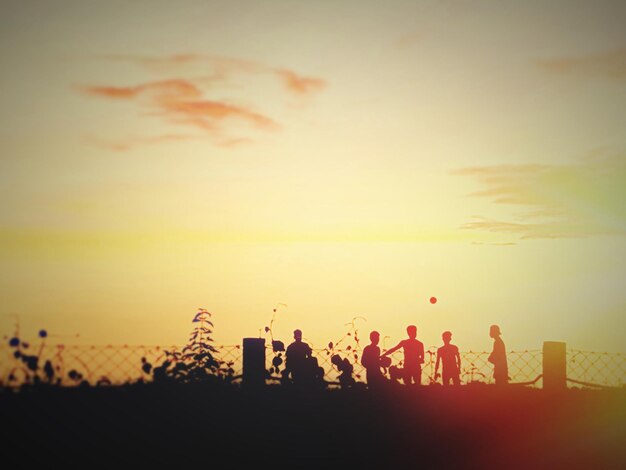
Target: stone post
554, 365
254, 362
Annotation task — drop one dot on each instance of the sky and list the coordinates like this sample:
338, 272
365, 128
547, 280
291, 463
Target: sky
330, 160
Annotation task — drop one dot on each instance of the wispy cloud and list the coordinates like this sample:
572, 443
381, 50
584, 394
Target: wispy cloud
607, 64
162, 91
223, 68
552, 201
298, 84
186, 100
204, 114
180, 101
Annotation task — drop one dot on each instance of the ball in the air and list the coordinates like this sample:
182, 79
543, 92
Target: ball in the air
433, 300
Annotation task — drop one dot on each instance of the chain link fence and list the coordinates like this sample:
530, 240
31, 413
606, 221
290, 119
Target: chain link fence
601, 368
110, 364
116, 365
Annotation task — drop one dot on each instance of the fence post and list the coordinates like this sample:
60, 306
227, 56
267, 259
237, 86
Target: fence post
254, 362
554, 365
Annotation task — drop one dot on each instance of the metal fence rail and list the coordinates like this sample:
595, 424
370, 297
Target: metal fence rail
117, 365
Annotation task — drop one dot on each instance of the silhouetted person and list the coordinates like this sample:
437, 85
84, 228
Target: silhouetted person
498, 357
315, 373
346, 368
298, 361
448, 355
371, 360
395, 374
413, 356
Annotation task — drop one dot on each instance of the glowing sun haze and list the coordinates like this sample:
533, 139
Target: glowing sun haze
346, 158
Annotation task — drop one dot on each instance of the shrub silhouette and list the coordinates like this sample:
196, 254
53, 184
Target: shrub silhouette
31, 370
278, 347
197, 361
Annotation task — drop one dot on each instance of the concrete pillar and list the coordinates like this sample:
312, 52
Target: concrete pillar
254, 362
554, 365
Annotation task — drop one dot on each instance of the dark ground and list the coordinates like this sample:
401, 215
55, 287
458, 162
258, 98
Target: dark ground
177, 425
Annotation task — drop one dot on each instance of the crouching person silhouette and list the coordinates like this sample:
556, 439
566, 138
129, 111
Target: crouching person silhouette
344, 366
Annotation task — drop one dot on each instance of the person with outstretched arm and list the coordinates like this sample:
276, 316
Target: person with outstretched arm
413, 356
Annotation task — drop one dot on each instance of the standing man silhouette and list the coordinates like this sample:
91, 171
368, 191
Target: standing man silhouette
449, 356
298, 359
370, 359
498, 357
413, 356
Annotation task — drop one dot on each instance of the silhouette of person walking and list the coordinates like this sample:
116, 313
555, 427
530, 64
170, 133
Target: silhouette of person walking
298, 361
448, 355
498, 357
413, 356
371, 360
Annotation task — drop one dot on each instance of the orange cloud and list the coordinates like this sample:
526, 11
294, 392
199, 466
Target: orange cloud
203, 114
224, 67
182, 100
552, 201
608, 64
298, 84
112, 92
164, 90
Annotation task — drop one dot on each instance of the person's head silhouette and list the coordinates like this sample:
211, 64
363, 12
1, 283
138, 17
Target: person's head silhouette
411, 330
297, 335
494, 331
336, 360
374, 337
447, 337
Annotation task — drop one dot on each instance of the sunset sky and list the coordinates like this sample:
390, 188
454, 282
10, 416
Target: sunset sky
345, 158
